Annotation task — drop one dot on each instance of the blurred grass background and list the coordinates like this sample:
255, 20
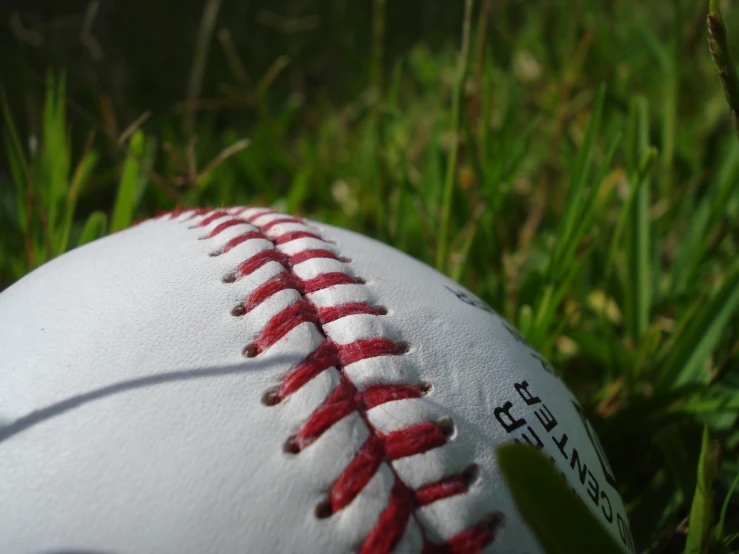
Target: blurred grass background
571, 162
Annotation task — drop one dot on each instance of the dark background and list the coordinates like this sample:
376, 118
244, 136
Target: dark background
147, 47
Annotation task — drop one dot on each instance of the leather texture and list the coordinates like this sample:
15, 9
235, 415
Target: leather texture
131, 421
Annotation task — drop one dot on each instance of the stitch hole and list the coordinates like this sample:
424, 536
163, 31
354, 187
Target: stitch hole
471, 474
492, 521
250, 351
230, 278
403, 347
360, 281
379, 310
272, 397
238, 310
447, 427
425, 387
291, 445
323, 509
216, 253
344, 259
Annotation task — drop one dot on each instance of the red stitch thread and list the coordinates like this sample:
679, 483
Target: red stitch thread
322, 358
357, 474
238, 211
279, 221
329, 280
284, 322
332, 313
392, 521
304, 255
211, 218
379, 394
252, 218
225, 225
473, 539
250, 265
339, 404
367, 348
451, 486
415, 439
172, 214
234, 242
294, 235
199, 212
345, 399
279, 282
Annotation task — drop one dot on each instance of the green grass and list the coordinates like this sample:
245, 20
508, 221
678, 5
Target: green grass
573, 163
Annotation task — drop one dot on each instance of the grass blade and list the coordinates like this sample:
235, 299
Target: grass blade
95, 227
126, 200
55, 163
567, 232
81, 174
699, 531
20, 169
721, 524
550, 507
719, 47
704, 324
451, 169
691, 250
637, 285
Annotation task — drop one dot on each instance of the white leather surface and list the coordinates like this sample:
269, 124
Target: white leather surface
131, 423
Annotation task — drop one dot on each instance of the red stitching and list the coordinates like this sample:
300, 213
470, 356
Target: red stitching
332, 313
172, 214
294, 235
322, 358
473, 539
284, 322
379, 394
225, 225
250, 265
212, 217
234, 242
252, 218
305, 255
392, 521
279, 221
238, 211
451, 486
198, 212
357, 474
329, 280
345, 399
415, 439
279, 282
339, 404
367, 348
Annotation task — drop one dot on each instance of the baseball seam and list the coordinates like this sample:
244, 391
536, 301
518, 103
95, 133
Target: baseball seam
346, 398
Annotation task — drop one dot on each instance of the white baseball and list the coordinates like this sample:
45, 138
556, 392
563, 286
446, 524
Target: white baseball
243, 381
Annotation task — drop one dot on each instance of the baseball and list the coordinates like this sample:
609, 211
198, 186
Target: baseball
239, 380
